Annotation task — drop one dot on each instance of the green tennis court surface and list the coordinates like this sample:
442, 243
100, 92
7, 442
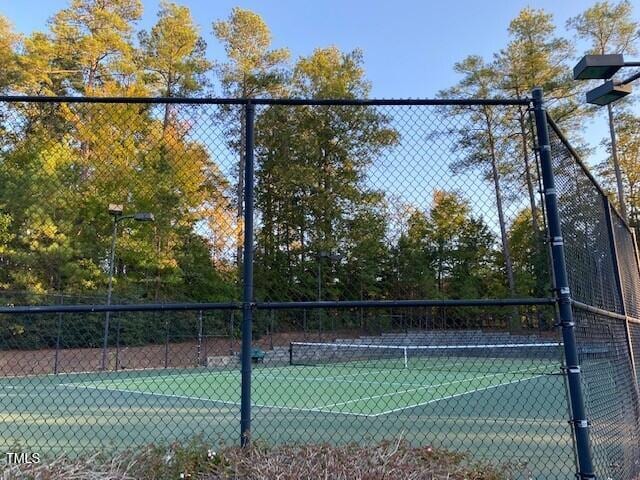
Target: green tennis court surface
348, 390
473, 406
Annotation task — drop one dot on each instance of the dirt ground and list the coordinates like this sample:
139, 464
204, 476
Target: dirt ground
174, 355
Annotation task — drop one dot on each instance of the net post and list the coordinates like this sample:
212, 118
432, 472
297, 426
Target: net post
199, 346
56, 358
290, 353
406, 355
562, 293
247, 280
166, 343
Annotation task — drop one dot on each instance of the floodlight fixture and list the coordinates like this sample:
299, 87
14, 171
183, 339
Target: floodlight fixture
603, 67
144, 217
116, 209
334, 257
607, 93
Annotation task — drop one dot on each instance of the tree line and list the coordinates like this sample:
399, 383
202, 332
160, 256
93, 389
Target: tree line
325, 230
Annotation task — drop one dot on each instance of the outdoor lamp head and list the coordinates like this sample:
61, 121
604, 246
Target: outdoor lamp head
602, 67
143, 217
607, 93
116, 209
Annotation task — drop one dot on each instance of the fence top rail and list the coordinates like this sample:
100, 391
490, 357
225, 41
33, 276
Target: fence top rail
583, 167
598, 311
151, 307
263, 101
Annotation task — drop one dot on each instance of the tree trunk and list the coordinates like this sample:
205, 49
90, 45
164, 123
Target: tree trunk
616, 164
527, 172
167, 116
506, 250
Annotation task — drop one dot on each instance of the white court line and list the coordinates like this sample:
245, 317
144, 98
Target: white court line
300, 379
257, 375
424, 387
30, 388
227, 373
452, 396
212, 400
324, 408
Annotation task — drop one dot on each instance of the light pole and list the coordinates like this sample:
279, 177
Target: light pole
604, 67
117, 212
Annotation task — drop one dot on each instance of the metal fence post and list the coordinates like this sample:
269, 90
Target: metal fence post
563, 294
247, 280
271, 324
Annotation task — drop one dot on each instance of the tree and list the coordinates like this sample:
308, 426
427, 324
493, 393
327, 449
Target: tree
312, 163
461, 246
10, 72
368, 253
173, 55
415, 261
628, 146
530, 262
611, 29
92, 40
483, 147
535, 57
252, 69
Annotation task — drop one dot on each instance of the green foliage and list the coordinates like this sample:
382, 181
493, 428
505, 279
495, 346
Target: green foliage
10, 72
628, 146
173, 54
327, 152
92, 40
61, 165
252, 68
609, 26
537, 57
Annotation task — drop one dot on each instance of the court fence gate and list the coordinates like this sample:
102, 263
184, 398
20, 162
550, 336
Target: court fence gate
446, 272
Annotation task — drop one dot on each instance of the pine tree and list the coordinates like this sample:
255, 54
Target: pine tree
610, 28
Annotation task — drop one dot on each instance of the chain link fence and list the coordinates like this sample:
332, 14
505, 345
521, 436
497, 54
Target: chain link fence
603, 272
315, 271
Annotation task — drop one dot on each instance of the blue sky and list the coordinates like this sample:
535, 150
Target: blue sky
410, 46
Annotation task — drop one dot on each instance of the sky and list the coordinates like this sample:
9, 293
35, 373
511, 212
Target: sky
410, 46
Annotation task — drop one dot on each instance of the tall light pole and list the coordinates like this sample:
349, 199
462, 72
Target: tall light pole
604, 67
117, 212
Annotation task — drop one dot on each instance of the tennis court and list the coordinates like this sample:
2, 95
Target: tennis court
347, 390
454, 401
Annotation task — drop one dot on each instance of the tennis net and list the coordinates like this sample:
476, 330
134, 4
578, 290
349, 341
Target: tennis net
542, 357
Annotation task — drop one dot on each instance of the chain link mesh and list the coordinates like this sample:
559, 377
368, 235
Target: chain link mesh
634, 330
604, 279
610, 394
630, 279
372, 203
590, 262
